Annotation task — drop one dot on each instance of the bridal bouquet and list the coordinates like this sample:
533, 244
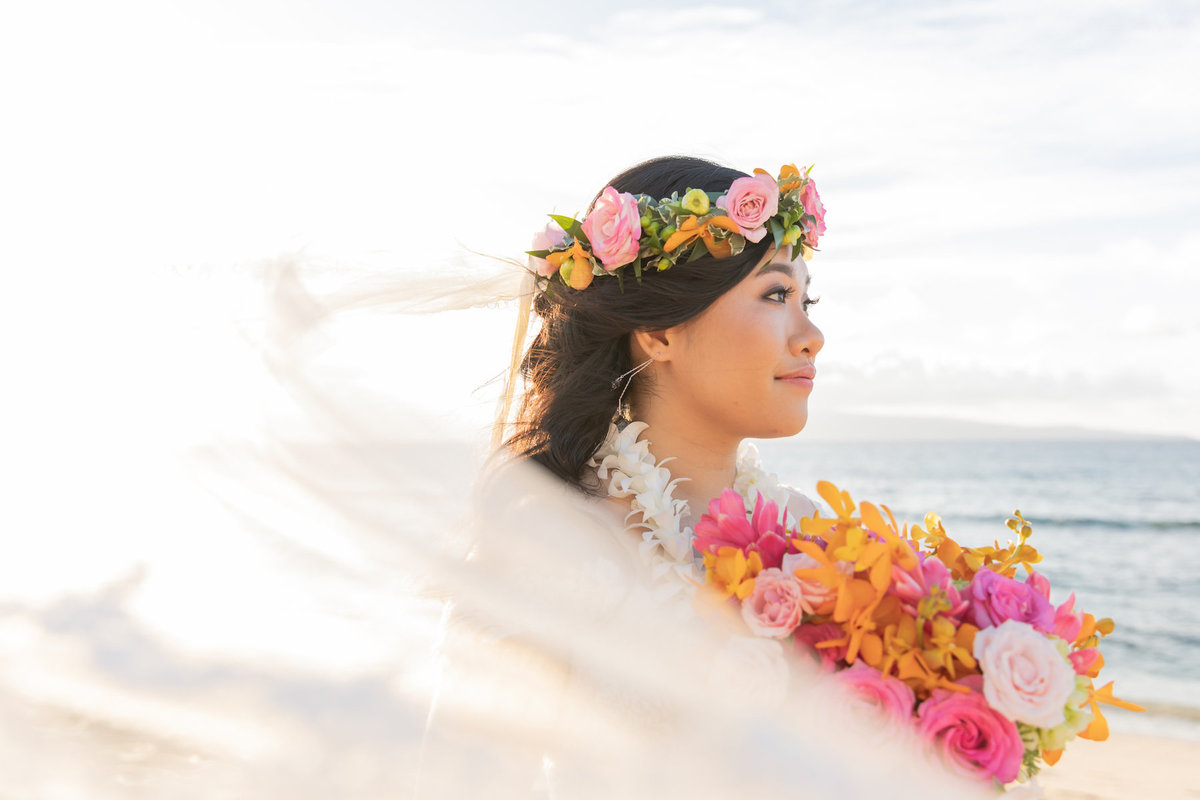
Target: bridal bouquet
940, 637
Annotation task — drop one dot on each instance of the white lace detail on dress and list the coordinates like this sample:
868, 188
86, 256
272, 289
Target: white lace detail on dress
627, 468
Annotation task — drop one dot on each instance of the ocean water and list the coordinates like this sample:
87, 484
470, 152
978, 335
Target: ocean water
1117, 523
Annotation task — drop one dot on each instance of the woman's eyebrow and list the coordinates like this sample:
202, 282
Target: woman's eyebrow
774, 266
786, 269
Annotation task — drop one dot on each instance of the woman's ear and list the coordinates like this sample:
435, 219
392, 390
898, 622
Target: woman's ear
651, 344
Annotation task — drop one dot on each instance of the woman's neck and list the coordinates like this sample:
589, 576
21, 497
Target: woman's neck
708, 462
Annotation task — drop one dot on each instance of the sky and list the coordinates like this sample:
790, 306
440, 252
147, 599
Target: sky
1011, 191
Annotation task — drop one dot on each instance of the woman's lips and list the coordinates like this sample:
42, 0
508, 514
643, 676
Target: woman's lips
802, 377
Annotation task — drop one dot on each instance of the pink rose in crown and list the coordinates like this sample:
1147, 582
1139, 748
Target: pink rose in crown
996, 598
1025, 677
750, 202
725, 525
775, 606
813, 207
807, 637
613, 228
890, 695
553, 236
972, 737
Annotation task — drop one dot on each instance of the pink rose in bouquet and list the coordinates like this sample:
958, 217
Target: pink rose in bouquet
553, 236
750, 202
818, 597
775, 606
971, 736
995, 598
613, 228
807, 637
1025, 676
726, 525
890, 695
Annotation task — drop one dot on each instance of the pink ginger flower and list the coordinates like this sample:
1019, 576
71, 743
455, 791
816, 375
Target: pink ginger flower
1067, 621
725, 525
931, 574
806, 638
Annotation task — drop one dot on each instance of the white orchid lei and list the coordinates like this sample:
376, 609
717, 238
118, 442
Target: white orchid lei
626, 468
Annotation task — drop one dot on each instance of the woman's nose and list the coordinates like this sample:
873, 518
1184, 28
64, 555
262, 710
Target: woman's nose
806, 338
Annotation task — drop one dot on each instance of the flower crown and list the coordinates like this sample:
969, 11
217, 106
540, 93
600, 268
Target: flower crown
625, 230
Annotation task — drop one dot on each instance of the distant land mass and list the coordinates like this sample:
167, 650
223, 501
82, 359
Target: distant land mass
835, 427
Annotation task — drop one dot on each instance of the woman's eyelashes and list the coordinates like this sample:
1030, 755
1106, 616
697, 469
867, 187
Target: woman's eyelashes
781, 294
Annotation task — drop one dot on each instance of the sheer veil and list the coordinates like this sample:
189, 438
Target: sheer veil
337, 608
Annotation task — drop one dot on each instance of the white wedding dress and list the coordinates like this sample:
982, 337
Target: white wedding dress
345, 616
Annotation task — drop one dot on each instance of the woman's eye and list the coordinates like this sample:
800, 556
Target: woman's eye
780, 295
810, 301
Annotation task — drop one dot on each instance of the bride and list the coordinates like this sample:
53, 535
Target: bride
683, 343
672, 324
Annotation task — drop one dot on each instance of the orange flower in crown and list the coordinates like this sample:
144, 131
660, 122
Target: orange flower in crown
631, 233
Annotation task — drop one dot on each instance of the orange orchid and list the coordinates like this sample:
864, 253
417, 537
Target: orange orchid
691, 229
732, 572
581, 264
789, 171
838, 500
898, 639
1098, 729
947, 646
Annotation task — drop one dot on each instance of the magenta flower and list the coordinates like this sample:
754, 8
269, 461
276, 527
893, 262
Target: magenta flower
725, 525
995, 598
972, 737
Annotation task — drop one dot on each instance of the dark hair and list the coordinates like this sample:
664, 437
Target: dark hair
583, 344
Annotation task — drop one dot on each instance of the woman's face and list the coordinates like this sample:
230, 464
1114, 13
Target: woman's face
744, 367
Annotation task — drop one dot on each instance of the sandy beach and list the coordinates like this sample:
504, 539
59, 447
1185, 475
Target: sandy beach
1126, 767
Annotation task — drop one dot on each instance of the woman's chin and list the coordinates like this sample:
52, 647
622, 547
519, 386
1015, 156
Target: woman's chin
782, 428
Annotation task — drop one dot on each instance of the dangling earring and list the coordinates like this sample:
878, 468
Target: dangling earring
630, 374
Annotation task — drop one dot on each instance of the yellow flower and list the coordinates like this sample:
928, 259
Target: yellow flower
696, 202
731, 572
579, 273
